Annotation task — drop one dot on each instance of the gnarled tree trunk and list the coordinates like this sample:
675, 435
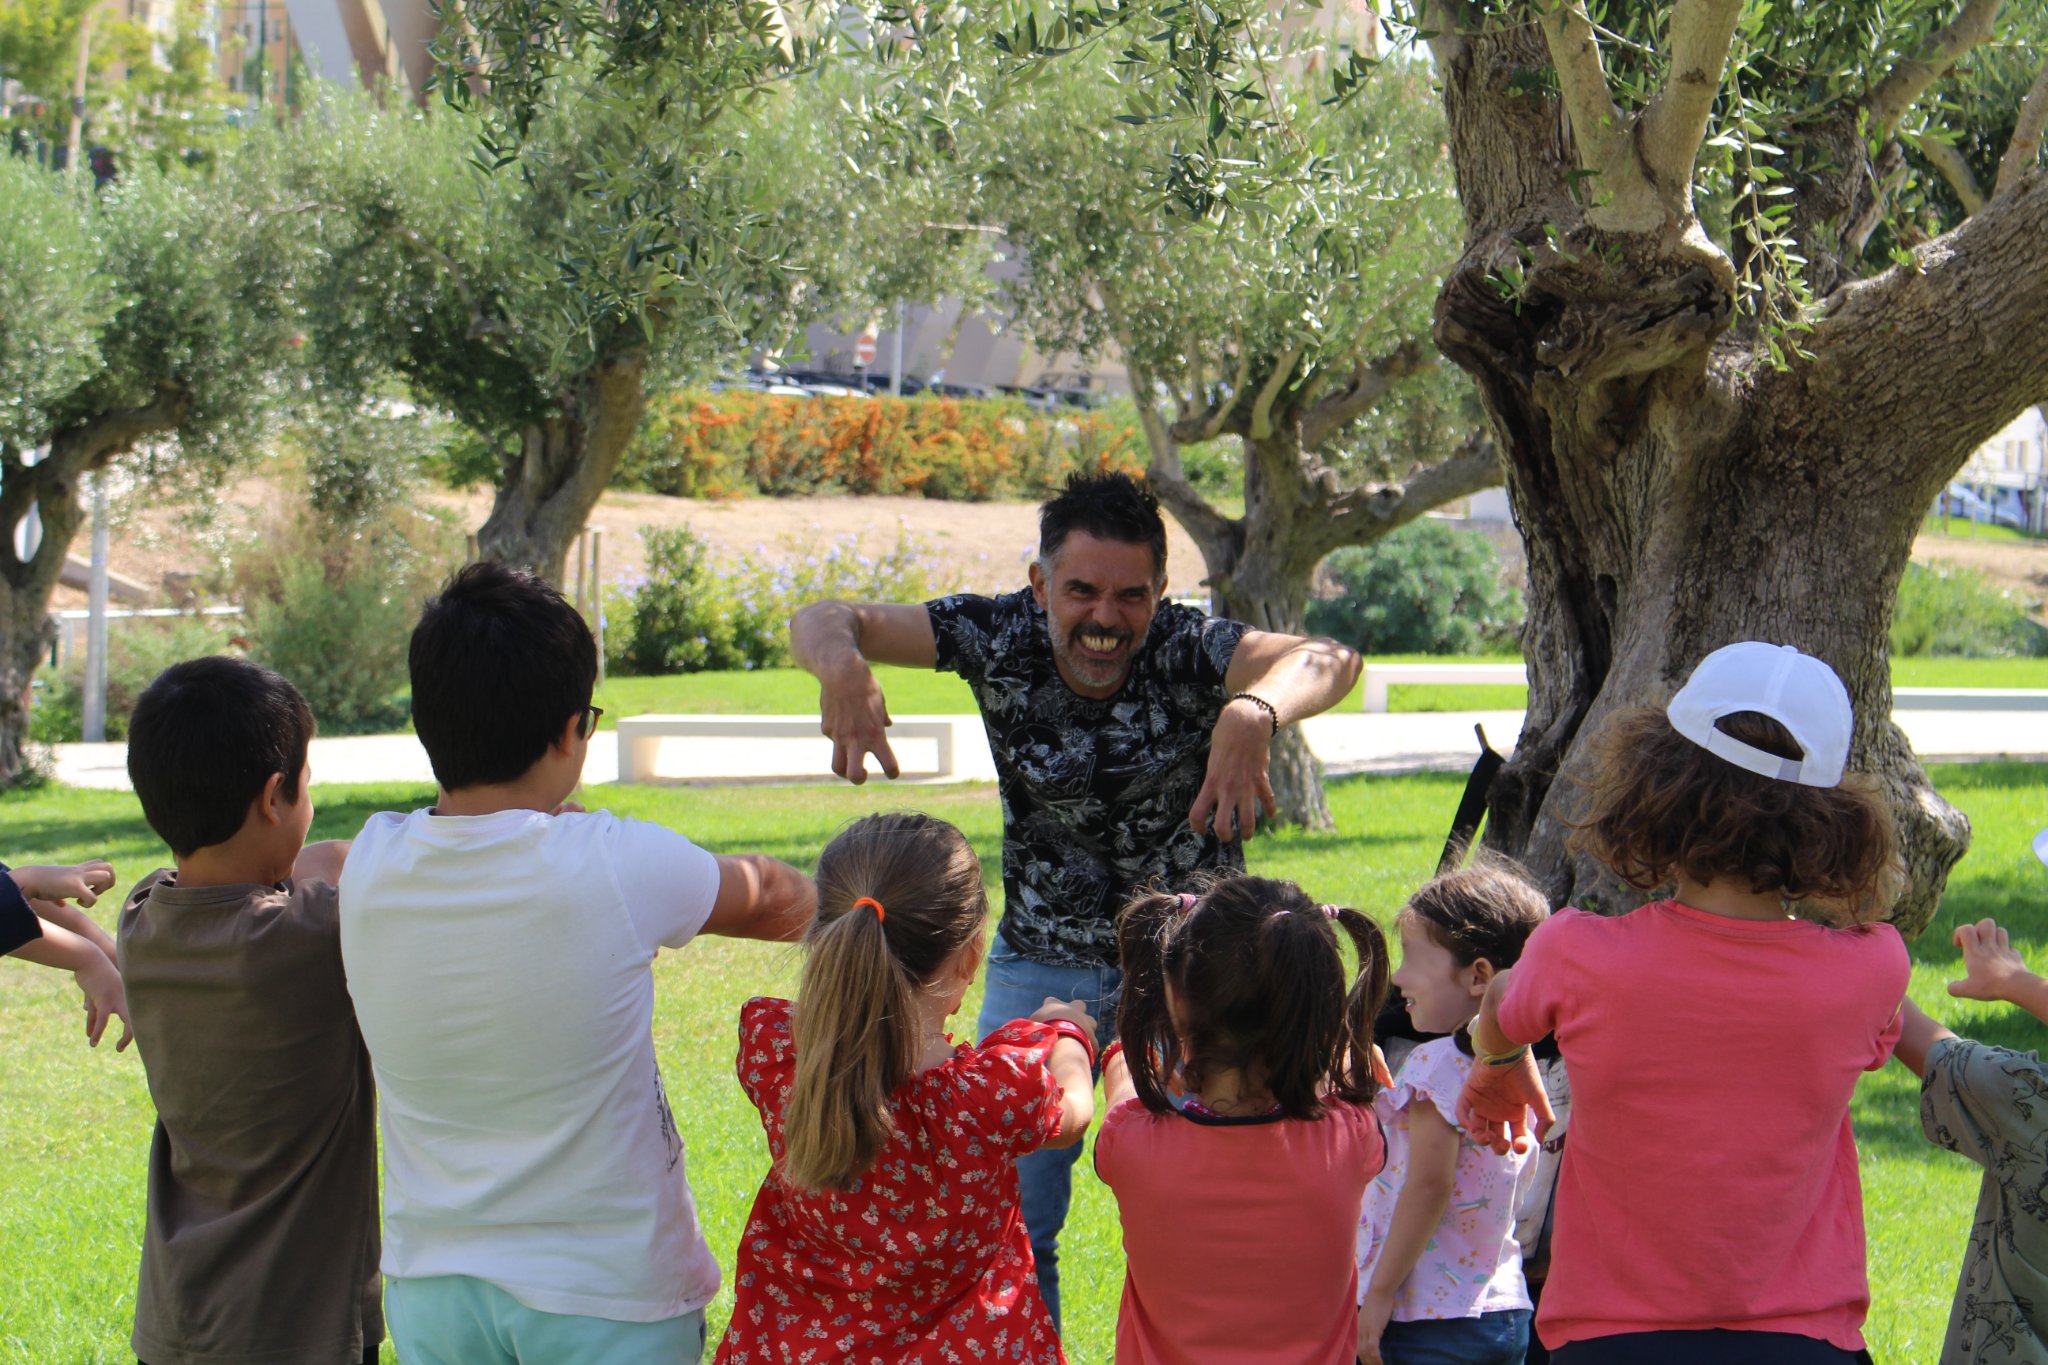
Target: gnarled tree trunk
1258, 567
562, 466
1675, 492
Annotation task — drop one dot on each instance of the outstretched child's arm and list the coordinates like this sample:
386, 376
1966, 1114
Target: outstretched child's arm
321, 862
761, 897
1917, 1036
96, 975
1992, 970
1073, 1068
1418, 1211
70, 917
1505, 1087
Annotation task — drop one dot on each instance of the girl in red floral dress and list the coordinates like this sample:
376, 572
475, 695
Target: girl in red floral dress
887, 1231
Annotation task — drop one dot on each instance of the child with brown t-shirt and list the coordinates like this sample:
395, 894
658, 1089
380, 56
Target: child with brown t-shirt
261, 1240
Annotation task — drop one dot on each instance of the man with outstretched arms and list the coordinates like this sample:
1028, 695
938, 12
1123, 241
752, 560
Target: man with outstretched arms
1130, 737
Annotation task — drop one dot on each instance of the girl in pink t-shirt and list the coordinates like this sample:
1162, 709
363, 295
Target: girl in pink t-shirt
1440, 1270
1708, 1210
888, 1227
1240, 1134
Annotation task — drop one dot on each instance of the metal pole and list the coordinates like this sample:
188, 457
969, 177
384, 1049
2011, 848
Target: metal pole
582, 560
597, 597
896, 378
95, 719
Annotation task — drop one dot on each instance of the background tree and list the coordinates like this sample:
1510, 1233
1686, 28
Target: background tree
541, 301
158, 312
1727, 369
1300, 330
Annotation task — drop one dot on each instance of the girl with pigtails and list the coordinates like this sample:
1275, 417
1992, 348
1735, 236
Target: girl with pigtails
888, 1227
1239, 1134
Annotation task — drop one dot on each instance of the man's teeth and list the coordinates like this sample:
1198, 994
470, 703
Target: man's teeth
1101, 644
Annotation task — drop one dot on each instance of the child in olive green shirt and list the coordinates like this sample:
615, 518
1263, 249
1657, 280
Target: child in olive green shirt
1991, 1105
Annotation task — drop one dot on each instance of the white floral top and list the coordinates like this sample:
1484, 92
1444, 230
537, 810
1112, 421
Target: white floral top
1474, 1264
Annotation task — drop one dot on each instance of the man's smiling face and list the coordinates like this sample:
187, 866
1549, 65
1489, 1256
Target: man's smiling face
1099, 598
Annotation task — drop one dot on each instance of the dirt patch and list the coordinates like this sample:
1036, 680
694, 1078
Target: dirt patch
977, 546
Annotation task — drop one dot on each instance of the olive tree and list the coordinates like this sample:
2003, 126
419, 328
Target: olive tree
1300, 329
157, 313
1741, 286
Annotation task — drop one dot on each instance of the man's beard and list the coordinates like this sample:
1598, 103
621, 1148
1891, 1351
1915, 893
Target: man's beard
1091, 672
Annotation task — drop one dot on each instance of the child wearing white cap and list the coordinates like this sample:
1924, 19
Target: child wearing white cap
1990, 1104
1708, 1207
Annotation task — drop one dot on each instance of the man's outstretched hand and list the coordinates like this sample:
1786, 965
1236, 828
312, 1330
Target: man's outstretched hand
1236, 788
855, 717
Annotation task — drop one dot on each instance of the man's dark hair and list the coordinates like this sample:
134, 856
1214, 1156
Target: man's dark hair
204, 738
500, 662
1108, 507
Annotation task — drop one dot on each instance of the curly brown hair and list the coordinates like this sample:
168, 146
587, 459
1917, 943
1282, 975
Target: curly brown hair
1662, 806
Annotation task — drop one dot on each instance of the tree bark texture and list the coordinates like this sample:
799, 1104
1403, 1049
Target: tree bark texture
562, 466
1674, 492
1258, 567
53, 488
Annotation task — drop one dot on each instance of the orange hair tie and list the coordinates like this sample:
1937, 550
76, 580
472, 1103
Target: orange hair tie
881, 916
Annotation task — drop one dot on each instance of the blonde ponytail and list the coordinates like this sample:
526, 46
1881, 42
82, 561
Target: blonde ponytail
856, 1020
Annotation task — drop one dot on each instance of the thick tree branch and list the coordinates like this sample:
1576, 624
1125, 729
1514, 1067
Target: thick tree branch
1598, 124
1369, 384
1675, 123
1446, 21
1367, 513
1948, 159
1262, 409
2025, 146
1934, 355
79, 449
1905, 83
1210, 529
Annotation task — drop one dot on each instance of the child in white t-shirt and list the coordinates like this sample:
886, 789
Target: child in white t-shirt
1440, 1269
497, 949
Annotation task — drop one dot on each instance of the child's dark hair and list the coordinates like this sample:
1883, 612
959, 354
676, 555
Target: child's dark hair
1260, 978
500, 662
1662, 806
203, 740
1108, 507
1485, 911
856, 1019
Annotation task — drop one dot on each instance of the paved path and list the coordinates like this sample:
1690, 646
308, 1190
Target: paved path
1400, 742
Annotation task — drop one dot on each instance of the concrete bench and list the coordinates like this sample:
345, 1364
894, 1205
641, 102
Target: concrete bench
1379, 677
639, 736
1969, 699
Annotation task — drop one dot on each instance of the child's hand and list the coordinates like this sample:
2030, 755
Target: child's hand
1991, 969
1073, 1011
1381, 1076
105, 998
82, 882
1372, 1323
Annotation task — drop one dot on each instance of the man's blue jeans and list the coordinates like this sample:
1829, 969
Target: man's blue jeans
1014, 988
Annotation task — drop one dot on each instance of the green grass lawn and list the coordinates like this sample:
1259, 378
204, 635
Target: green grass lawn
1962, 528
74, 1124
913, 692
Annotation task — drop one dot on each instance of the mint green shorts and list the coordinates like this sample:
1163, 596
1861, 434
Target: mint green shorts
458, 1320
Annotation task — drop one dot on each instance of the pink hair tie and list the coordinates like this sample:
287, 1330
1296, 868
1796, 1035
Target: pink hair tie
1330, 911
1187, 901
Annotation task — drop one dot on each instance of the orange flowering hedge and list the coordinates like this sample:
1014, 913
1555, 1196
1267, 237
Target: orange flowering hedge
699, 444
